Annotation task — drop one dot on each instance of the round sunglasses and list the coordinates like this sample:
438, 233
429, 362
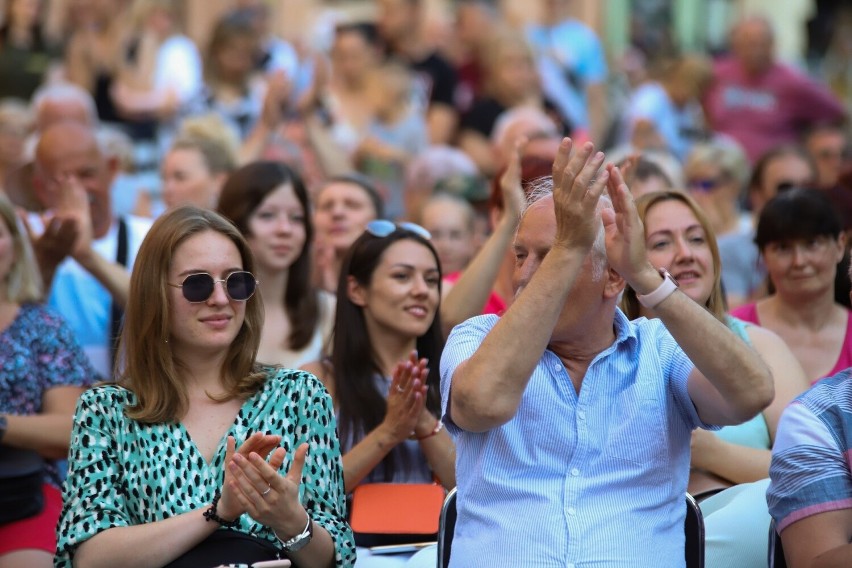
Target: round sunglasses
197, 288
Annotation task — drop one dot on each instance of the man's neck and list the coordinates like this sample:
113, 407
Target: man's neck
578, 347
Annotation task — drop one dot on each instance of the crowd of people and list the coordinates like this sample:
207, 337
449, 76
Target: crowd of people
261, 273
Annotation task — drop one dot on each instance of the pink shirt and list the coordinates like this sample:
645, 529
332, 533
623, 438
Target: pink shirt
494, 305
748, 312
766, 111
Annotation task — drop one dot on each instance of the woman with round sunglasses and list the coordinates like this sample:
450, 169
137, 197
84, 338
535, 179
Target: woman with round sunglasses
680, 239
268, 203
383, 370
196, 437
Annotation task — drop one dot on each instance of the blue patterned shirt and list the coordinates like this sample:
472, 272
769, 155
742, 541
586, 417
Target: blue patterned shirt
595, 480
811, 469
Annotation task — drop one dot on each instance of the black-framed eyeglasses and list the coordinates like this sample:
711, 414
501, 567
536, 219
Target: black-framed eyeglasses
197, 288
382, 228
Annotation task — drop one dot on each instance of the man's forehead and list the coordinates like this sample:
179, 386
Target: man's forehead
539, 220
65, 154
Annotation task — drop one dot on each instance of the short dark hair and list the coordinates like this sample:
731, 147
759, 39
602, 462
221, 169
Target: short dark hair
797, 213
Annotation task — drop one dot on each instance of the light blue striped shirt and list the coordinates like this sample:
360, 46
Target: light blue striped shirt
595, 480
811, 467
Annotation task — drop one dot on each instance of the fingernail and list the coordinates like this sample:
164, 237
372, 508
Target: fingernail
238, 458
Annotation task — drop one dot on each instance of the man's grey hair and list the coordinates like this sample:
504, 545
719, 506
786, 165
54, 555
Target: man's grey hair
63, 92
542, 188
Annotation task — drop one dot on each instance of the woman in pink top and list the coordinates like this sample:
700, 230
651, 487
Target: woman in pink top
802, 241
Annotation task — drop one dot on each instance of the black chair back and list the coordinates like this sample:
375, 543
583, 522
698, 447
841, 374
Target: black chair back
694, 531
446, 529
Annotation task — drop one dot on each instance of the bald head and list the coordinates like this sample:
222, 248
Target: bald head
753, 44
70, 150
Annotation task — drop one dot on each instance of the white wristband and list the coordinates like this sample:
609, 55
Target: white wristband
662, 292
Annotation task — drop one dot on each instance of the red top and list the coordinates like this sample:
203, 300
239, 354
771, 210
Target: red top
494, 305
748, 312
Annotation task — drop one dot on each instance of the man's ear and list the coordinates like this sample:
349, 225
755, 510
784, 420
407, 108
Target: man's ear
355, 292
113, 165
614, 284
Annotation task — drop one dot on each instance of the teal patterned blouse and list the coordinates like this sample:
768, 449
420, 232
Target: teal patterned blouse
124, 473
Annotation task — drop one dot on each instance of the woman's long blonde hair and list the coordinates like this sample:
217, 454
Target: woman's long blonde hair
716, 303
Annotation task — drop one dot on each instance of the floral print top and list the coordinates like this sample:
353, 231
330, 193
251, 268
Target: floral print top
38, 352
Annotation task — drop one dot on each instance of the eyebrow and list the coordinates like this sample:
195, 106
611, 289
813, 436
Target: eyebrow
411, 267
191, 271
670, 232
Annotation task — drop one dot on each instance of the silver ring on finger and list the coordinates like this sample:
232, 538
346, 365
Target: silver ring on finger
399, 389
268, 489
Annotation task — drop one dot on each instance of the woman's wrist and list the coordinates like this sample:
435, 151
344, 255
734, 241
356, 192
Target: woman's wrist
437, 426
212, 514
294, 525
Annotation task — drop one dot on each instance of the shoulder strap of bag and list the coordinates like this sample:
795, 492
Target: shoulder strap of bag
116, 312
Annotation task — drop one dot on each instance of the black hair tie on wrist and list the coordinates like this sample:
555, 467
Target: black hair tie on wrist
210, 514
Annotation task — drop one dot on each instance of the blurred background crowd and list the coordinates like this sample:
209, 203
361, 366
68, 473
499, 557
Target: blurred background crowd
303, 120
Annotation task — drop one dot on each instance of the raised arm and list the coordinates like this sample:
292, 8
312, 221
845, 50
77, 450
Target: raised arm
742, 464
74, 204
487, 388
468, 295
730, 383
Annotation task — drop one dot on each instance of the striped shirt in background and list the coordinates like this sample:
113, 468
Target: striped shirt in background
810, 469
591, 480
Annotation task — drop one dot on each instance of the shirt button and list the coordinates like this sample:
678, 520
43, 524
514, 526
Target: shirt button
581, 415
571, 511
575, 472
557, 366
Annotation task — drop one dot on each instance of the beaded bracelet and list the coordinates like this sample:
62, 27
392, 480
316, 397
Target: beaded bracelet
210, 514
438, 427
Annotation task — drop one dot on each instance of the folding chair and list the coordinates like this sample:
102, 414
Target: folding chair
446, 529
694, 531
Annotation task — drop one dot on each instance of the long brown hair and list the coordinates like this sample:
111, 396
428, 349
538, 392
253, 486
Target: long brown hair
716, 303
146, 364
243, 192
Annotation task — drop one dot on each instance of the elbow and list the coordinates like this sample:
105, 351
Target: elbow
758, 397
473, 414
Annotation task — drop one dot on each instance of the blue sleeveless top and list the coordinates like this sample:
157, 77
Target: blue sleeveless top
755, 432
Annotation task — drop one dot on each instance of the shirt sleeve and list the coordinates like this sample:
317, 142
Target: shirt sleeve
809, 473
592, 66
93, 498
677, 368
322, 476
462, 343
815, 103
